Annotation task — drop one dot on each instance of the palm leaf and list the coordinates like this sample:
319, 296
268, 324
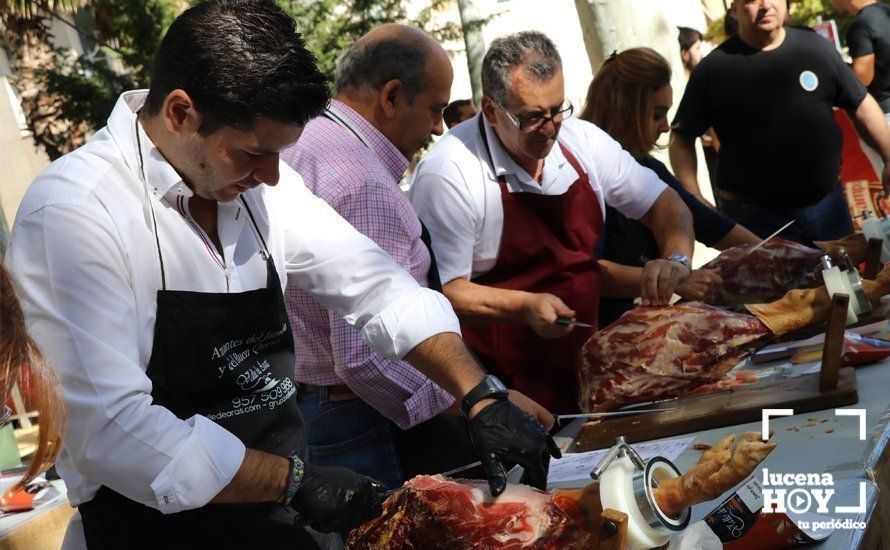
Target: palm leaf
32, 8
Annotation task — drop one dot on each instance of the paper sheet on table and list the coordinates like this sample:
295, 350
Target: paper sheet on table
577, 466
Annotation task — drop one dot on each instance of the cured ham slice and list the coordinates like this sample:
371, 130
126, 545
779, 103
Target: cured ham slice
653, 353
765, 274
434, 512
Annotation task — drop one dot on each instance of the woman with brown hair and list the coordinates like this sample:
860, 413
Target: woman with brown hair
629, 99
21, 362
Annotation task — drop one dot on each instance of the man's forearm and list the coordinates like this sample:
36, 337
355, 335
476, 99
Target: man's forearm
671, 224
685, 163
484, 305
872, 126
261, 478
445, 359
738, 235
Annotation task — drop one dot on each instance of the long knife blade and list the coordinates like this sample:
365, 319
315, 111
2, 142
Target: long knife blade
562, 417
763, 242
568, 321
462, 468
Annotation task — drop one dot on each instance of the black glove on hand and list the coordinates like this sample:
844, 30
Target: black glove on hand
502, 431
336, 499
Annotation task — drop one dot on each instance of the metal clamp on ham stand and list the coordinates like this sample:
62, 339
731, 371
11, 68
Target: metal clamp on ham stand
626, 485
877, 229
847, 281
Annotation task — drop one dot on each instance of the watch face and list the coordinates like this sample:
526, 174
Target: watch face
679, 258
496, 383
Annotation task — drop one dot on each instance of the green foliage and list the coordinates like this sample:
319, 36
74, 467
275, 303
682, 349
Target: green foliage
34, 8
331, 26
125, 34
803, 13
121, 37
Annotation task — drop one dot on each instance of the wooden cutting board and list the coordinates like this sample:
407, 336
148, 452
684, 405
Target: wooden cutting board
738, 405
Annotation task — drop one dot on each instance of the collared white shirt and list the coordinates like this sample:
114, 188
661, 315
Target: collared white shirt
456, 194
84, 257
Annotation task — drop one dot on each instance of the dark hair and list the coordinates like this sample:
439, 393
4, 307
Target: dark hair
619, 100
530, 49
687, 38
239, 60
367, 65
451, 113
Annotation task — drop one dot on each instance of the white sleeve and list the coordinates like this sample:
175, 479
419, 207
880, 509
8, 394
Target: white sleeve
75, 288
442, 202
348, 273
627, 185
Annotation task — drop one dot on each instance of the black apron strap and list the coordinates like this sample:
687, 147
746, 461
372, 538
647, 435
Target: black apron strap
433, 279
154, 221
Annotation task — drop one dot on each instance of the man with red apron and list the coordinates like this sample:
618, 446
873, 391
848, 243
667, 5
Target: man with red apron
514, 202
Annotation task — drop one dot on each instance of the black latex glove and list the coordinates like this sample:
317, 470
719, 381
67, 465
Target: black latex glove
504, 432
336, 499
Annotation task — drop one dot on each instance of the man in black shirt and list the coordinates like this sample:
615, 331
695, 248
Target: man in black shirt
869, 43
769, 93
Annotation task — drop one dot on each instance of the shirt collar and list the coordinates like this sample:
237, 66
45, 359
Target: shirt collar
393, 159
504, 165
158, 174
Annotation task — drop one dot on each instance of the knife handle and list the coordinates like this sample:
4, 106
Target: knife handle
564, 321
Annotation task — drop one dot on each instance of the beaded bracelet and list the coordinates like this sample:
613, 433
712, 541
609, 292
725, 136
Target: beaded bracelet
294, 478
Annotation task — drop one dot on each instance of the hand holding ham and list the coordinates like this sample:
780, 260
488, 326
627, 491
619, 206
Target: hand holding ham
660, 280
700, 283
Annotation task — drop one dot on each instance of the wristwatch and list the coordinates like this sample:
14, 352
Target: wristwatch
679, 258
489, 388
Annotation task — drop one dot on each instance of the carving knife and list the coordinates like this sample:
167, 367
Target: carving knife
568, 321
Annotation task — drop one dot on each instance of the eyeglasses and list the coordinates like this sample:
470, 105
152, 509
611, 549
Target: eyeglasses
529, 125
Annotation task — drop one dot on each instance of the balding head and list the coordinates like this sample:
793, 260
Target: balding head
389, 52
399, 80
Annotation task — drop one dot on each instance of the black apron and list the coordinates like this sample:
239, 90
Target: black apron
230, 358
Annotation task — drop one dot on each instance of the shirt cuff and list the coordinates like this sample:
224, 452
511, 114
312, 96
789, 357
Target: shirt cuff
204, 465
408, 321
426, 403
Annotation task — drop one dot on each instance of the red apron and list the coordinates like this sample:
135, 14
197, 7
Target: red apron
547, 245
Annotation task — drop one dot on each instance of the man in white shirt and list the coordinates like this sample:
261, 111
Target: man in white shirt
515, 214
151, 264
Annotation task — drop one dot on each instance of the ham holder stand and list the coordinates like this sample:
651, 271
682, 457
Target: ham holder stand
631, 516
832, 387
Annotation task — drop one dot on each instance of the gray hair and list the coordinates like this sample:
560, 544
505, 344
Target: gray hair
367, 66
531, 50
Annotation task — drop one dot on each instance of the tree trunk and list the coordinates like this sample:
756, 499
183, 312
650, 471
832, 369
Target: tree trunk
471, 24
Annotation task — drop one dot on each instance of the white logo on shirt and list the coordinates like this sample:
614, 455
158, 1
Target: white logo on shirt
809, 81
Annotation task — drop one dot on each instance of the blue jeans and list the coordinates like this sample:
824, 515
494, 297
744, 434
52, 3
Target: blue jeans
351, 434
826, 220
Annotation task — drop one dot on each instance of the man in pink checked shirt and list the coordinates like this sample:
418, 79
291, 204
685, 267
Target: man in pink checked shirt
391, 88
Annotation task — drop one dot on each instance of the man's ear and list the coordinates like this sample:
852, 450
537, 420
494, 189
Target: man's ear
488, 109
388, 97
180, 116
